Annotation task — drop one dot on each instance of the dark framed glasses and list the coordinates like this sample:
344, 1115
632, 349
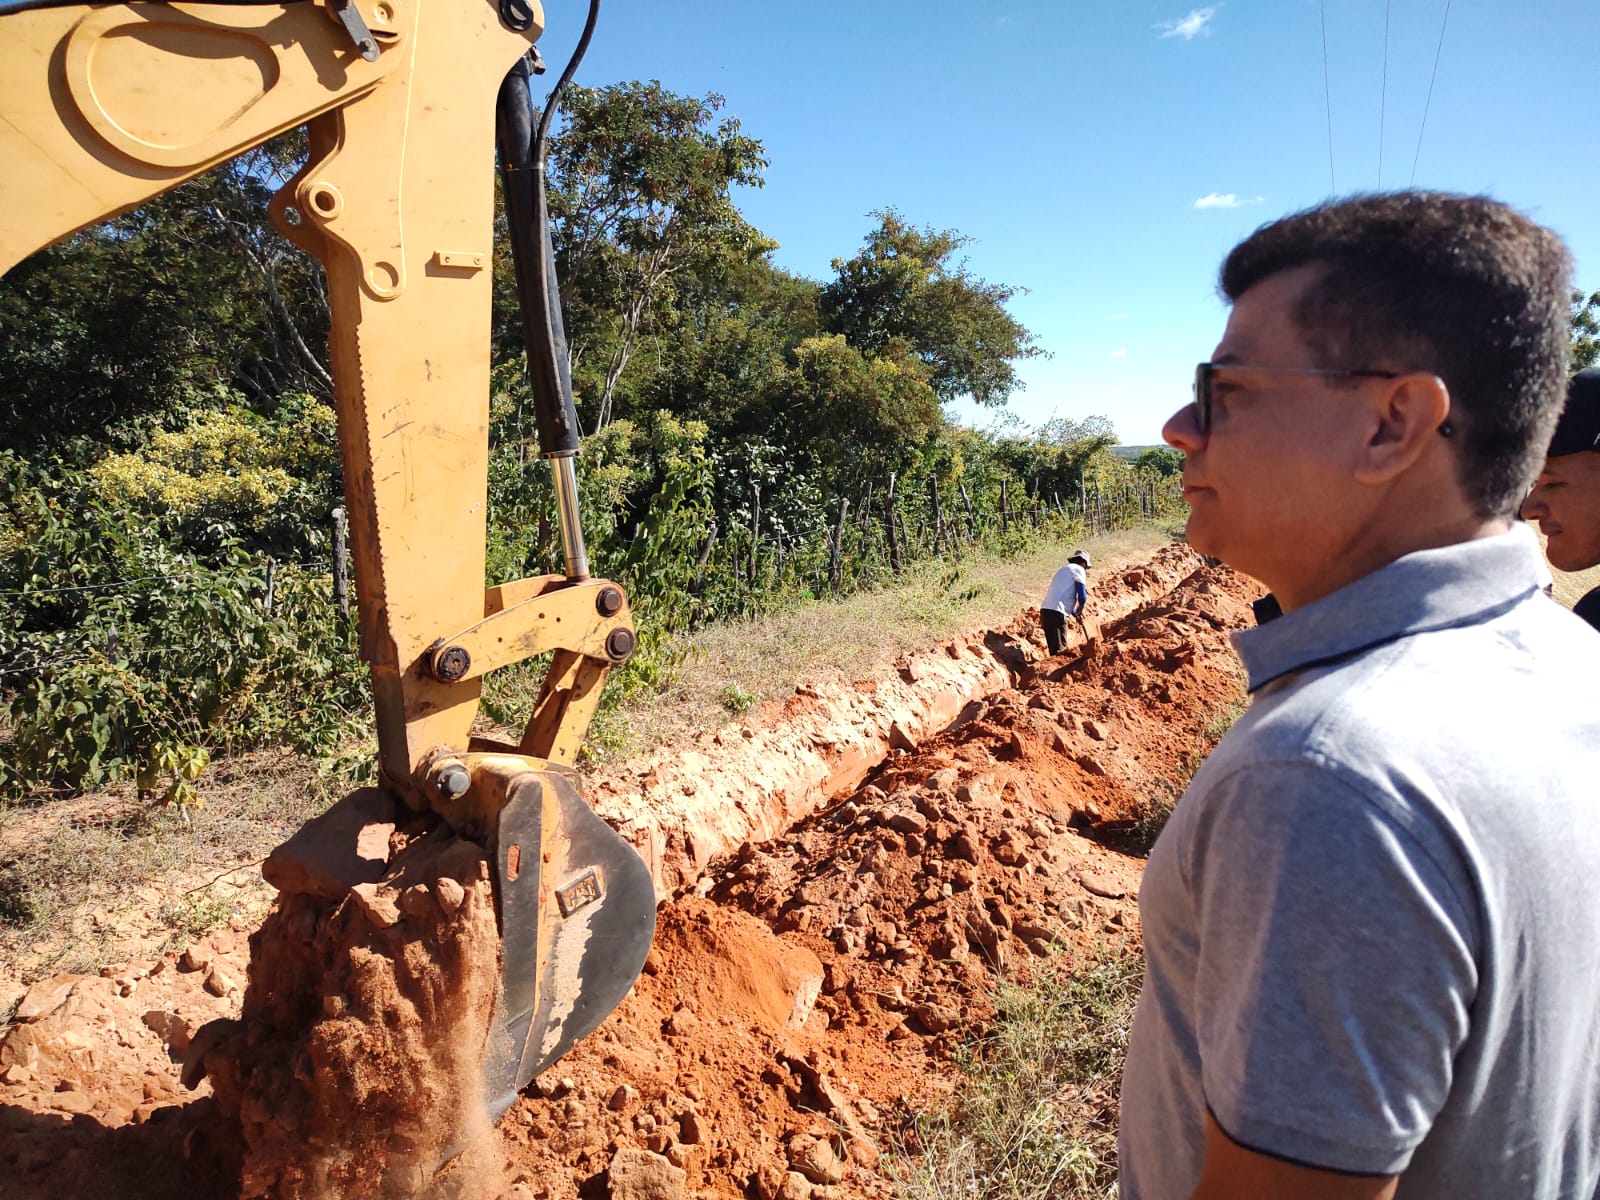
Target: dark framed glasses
1205, 374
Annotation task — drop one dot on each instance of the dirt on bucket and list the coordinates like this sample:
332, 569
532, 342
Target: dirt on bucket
355, 1068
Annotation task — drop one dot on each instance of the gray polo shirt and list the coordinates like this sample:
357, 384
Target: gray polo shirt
1372, 926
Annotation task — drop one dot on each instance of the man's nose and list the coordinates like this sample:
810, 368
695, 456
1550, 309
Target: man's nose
1533, 505
1182, 430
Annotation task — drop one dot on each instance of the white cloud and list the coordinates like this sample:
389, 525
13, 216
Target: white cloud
1119, 352
1190, 27
1226, 200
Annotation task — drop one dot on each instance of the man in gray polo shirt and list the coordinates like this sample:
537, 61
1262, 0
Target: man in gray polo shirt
1372, 925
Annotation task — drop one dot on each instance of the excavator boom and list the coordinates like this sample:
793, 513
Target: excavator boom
404, 101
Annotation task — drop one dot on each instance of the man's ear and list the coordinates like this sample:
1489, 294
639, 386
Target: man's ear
1405, 416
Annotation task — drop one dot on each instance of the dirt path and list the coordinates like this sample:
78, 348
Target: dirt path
804, 986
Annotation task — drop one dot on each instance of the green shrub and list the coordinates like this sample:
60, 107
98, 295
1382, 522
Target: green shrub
122, 657
736, 700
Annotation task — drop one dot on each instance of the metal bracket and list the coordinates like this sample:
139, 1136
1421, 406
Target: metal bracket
531, 616
350, 17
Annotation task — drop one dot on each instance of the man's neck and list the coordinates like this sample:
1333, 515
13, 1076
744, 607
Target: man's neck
1376, 545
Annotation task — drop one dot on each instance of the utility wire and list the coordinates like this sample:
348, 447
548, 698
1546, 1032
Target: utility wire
1383, 96
116, 585
111, 586
1429, 102
1327, 95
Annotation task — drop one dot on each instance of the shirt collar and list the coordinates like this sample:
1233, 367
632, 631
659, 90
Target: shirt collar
1460, 584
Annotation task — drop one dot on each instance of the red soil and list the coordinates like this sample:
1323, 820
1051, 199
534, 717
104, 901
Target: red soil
800, 993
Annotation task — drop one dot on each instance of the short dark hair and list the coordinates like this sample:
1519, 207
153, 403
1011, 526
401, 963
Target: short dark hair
1462, 286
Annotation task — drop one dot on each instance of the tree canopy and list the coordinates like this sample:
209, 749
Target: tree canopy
904, 293
641, 182
1585, 330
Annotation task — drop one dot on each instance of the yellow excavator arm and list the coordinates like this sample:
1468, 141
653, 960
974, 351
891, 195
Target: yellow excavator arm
405, 102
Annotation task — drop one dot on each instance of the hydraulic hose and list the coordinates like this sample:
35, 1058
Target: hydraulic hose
522, 150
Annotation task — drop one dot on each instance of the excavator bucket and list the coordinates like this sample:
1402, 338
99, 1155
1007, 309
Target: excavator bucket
577, 913
576, 904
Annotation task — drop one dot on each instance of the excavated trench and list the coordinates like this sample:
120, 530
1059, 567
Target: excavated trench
840, 882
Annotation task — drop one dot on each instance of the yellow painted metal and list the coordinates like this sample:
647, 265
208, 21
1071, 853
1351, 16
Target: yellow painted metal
565, 707
106, 106
544, 613
474, 812
102, 108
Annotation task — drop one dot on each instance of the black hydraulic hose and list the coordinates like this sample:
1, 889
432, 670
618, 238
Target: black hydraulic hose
522, 151
566, 77
533, 258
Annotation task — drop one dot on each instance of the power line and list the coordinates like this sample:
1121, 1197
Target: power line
1429, 102
1327, 95
110, 586
122, 585
1383, 97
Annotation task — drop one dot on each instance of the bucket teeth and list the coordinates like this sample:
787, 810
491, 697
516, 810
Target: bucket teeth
577, 913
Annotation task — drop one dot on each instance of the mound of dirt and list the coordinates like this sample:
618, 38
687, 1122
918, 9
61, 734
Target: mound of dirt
89, 1082
975, 853
802, 992
686, 806
355, 1069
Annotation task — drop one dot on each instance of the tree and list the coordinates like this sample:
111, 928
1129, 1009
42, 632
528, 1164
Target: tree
1162, 461
832, 417
903, 287
1585, 330
728, 345
641, 182
188, 303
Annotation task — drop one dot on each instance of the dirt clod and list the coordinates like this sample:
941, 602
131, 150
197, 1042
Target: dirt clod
642, 1175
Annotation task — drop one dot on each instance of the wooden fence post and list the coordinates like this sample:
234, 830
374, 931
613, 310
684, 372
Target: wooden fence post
755, 527
836, 562
972, 521
888, 524
699, 579
341, 568
938, 515
272, 583
1005, 510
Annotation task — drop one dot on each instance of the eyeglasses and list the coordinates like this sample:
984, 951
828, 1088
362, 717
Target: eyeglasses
1206, 372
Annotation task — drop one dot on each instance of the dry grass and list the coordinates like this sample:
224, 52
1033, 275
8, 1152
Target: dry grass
1035, 1114
728, 668
106, 878
1571, 585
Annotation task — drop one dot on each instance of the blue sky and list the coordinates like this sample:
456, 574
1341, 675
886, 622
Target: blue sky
1105, 154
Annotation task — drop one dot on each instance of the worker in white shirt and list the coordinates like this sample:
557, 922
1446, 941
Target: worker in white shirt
1065, 597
